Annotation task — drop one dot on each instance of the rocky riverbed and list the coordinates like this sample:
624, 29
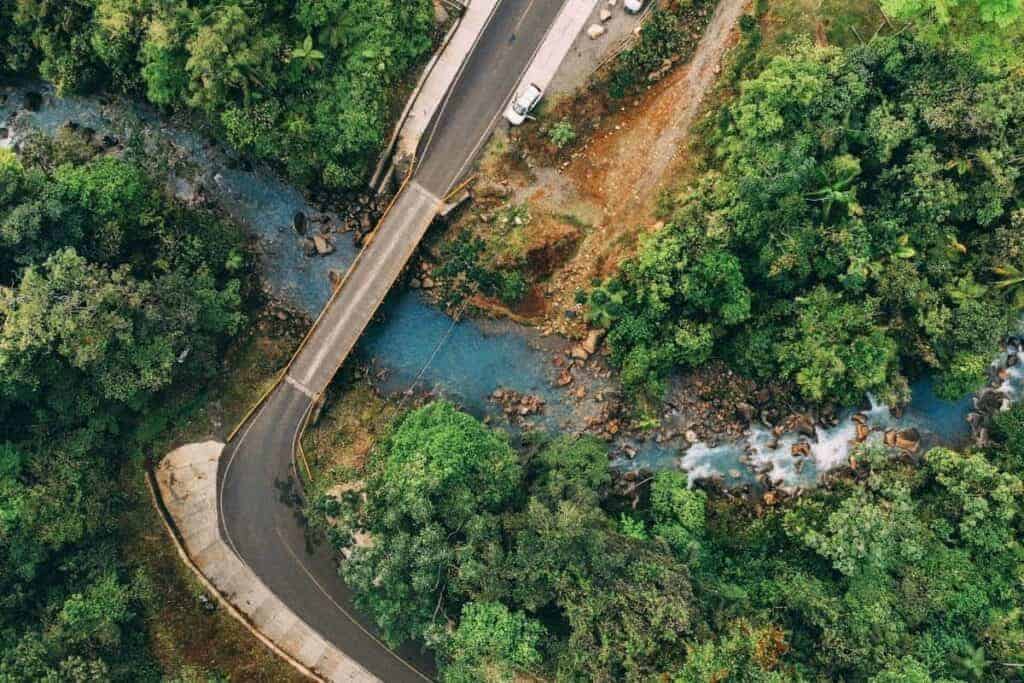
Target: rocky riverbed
717, 426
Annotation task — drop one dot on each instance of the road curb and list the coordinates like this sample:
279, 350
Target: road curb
389, 150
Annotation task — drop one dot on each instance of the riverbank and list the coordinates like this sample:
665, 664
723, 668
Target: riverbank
543, 382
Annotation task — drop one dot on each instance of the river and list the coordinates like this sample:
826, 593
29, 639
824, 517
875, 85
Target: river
465, 362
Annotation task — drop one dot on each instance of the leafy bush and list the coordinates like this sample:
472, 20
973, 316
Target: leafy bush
562, 134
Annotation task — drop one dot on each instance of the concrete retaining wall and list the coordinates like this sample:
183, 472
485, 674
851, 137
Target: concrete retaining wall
443, 73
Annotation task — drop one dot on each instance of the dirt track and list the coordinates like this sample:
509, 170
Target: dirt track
615, 179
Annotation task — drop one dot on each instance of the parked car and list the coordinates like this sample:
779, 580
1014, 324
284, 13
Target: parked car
633, 6
522, 104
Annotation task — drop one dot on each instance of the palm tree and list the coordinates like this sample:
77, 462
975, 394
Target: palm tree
837, 179
1012, 283
307, 55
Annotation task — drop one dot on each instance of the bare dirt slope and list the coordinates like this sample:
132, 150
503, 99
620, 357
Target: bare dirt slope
613, 182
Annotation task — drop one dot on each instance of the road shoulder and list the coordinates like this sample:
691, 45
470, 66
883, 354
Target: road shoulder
185, 493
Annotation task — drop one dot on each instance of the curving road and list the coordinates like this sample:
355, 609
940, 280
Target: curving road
261, 529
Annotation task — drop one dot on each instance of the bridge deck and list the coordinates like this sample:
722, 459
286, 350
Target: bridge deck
369, 280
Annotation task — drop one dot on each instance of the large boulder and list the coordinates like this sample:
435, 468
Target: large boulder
440, 13
595, 31
804, 425
592, 341
323, 245
908, 440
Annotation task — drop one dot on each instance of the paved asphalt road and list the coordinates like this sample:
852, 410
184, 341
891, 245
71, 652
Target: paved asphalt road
262, 529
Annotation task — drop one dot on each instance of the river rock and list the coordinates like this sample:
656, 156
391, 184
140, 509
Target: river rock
428, 283
299, 222
491, 190
989, 401
1011, 360
564, 378
745, 411
185, 191
863, 431
440, 13
33, 101
801, 449
415, 283
579, 353
595, 31
890, 438
323, 245
908, 440
591, 342
335, 277
804, 425
308, 247
691, 436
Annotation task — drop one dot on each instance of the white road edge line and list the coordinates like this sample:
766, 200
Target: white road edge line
341, 609
222, 524
458, 75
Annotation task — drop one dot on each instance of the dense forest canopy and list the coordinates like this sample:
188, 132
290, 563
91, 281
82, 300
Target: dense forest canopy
858, 222
861, 223
308, 84
511, 564
110, 294
991, 30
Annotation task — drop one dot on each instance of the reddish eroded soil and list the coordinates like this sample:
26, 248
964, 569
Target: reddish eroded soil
613, 181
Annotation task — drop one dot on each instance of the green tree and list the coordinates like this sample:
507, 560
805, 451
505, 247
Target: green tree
491, 644
838, 349
230, 55
743, 654
434, 493
993, 30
